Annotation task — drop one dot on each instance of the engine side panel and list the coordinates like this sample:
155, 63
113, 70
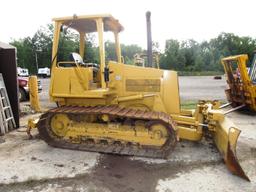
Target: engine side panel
129, 80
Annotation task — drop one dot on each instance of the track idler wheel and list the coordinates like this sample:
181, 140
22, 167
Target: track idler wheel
59, 124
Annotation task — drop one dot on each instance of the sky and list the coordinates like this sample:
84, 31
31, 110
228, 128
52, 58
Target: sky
171, 19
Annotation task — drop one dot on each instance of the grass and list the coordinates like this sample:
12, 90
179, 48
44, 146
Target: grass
188, 104
192, 104
199, 73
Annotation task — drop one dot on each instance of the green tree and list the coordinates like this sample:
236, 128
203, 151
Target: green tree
41, 44
190, 55
110, 51
173, 57
187, 55
25, 57
128, 51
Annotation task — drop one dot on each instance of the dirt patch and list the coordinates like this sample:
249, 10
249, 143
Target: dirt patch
113, 173
119, 173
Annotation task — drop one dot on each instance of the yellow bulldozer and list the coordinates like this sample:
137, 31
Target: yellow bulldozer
111, 107
241, 80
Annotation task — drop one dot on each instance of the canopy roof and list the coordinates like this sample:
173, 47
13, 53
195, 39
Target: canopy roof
87, 24
6, 46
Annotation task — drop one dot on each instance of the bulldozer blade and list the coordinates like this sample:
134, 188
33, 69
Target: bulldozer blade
225, 137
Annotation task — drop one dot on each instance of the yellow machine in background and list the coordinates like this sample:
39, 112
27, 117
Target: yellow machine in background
139, 59
241, 81
122, 109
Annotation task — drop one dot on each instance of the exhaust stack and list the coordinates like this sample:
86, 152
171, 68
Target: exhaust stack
149, 41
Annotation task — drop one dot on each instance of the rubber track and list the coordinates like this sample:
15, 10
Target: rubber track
112, 110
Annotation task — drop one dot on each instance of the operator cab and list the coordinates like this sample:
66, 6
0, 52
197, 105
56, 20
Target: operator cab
90, 75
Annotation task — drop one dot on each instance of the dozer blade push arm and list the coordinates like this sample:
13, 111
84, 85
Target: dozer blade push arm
225, 135
207, 119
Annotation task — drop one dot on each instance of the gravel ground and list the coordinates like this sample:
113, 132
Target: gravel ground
201, 87
32, 165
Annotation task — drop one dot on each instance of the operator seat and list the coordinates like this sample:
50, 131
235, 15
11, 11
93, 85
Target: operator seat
79, 60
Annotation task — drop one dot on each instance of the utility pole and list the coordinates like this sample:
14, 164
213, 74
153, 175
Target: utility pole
37, 50
36, 64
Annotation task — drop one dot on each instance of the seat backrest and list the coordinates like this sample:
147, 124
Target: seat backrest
76, 57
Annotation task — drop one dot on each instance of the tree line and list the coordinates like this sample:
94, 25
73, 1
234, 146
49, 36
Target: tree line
188, 55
